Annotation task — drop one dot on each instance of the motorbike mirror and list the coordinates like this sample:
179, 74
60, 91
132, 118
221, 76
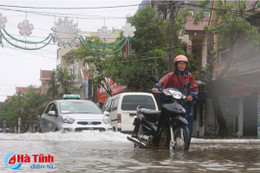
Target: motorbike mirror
187, 84
155, 78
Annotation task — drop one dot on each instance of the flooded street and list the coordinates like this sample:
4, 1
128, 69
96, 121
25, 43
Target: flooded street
111, 152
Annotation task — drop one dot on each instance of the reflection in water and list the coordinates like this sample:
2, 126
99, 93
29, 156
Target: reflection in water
120, 156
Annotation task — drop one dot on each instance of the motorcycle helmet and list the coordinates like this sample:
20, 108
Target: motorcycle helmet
181, 58
178, 59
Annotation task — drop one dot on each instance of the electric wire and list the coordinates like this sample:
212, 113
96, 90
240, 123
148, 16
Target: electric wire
30, 52
68, 8
71, 15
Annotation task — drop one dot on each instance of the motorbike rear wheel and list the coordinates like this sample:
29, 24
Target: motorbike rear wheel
181, 139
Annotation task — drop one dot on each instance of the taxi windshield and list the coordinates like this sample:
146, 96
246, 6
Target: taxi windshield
84, 107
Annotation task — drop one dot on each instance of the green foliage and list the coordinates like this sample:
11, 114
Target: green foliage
62, 82
151, 31
206, 28
98, 63
53, 88
203, 3
236, 30
213, 52
237, 27
28, 105
135, 72
33, 102
198, 16
150, 47
9, 111
179, 23
65, 80
150, 41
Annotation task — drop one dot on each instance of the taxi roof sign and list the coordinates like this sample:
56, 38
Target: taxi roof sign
71, 96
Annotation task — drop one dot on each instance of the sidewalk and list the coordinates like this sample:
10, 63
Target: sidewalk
233, 140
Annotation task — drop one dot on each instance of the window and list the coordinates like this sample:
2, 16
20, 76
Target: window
131, 102
107, 105
54, 108
115, 104
206, 14
84, 107
191, 12
48, 109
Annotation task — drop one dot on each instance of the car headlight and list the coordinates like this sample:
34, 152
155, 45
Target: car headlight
106, 120
67, 120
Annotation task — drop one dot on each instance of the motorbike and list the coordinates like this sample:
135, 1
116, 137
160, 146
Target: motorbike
168, 126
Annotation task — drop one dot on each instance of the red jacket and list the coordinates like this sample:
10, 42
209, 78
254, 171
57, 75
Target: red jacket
177, 81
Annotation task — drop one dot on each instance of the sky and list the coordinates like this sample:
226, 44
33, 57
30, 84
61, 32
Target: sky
20, 67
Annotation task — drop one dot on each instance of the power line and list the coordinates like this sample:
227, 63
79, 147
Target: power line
29, 52
69, 8
72, 15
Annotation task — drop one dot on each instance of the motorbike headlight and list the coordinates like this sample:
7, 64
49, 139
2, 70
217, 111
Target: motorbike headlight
106, 120
67, 120
176, 94
167, 93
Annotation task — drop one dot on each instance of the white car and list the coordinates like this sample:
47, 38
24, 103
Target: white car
73, 115
122, 109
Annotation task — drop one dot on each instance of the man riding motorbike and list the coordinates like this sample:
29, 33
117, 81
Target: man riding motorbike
177, 79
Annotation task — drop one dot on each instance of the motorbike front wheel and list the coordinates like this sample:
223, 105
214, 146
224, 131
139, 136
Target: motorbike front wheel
140, 134
180, 139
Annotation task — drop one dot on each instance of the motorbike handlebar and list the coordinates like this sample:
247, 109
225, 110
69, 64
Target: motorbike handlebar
160, 91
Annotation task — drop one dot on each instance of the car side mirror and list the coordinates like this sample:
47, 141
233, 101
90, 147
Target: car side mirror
52, 113
106, 113
154, 78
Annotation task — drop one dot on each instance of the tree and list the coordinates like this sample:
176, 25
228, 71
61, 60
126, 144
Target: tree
9, 111
150, 51
231, 24
237, 34
53, 89
151, 47
26, 105
33, 104
96, 62
235, 31
65, 81
149, 44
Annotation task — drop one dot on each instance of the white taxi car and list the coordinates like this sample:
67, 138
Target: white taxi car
70, 114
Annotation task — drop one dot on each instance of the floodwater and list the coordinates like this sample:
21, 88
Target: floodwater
111, 152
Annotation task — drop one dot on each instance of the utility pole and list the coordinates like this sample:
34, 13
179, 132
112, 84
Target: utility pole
172, 6
54, 84
19, 112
